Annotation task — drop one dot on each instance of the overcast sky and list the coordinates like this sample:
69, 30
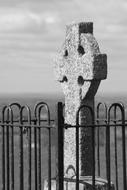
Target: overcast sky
31, 33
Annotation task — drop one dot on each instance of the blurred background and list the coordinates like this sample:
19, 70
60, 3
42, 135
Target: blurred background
32, 32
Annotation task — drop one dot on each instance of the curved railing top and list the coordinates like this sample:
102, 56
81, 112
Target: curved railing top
15, 112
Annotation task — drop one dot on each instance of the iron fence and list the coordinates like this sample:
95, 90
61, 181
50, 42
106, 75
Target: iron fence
28, 156
25, 146
109, 150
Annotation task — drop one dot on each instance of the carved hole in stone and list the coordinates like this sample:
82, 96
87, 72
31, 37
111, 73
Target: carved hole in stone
65, 53
64, 79
80, 80
81, 50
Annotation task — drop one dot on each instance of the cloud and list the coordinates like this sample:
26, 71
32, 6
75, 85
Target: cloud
17, 19
32, 30
12, 19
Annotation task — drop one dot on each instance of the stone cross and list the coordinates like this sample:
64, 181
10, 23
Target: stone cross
79, 67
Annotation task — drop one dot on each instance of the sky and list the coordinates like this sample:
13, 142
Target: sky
32, 32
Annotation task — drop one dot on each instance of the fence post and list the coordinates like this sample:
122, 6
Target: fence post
60, 157
79, 67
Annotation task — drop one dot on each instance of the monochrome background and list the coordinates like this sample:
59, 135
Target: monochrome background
31, 33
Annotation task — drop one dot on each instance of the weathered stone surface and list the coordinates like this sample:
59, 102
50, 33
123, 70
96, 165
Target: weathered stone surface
79, 63
84, 184
79, 67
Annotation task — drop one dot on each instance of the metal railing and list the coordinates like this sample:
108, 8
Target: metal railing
25, 144
26, 157
109, 150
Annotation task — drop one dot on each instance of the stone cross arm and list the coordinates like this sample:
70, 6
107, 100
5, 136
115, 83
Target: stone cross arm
80, 55
77, 65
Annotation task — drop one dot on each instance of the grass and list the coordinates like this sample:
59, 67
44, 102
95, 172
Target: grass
112, 154
44, 159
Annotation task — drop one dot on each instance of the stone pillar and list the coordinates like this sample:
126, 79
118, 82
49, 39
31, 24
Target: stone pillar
79, 67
